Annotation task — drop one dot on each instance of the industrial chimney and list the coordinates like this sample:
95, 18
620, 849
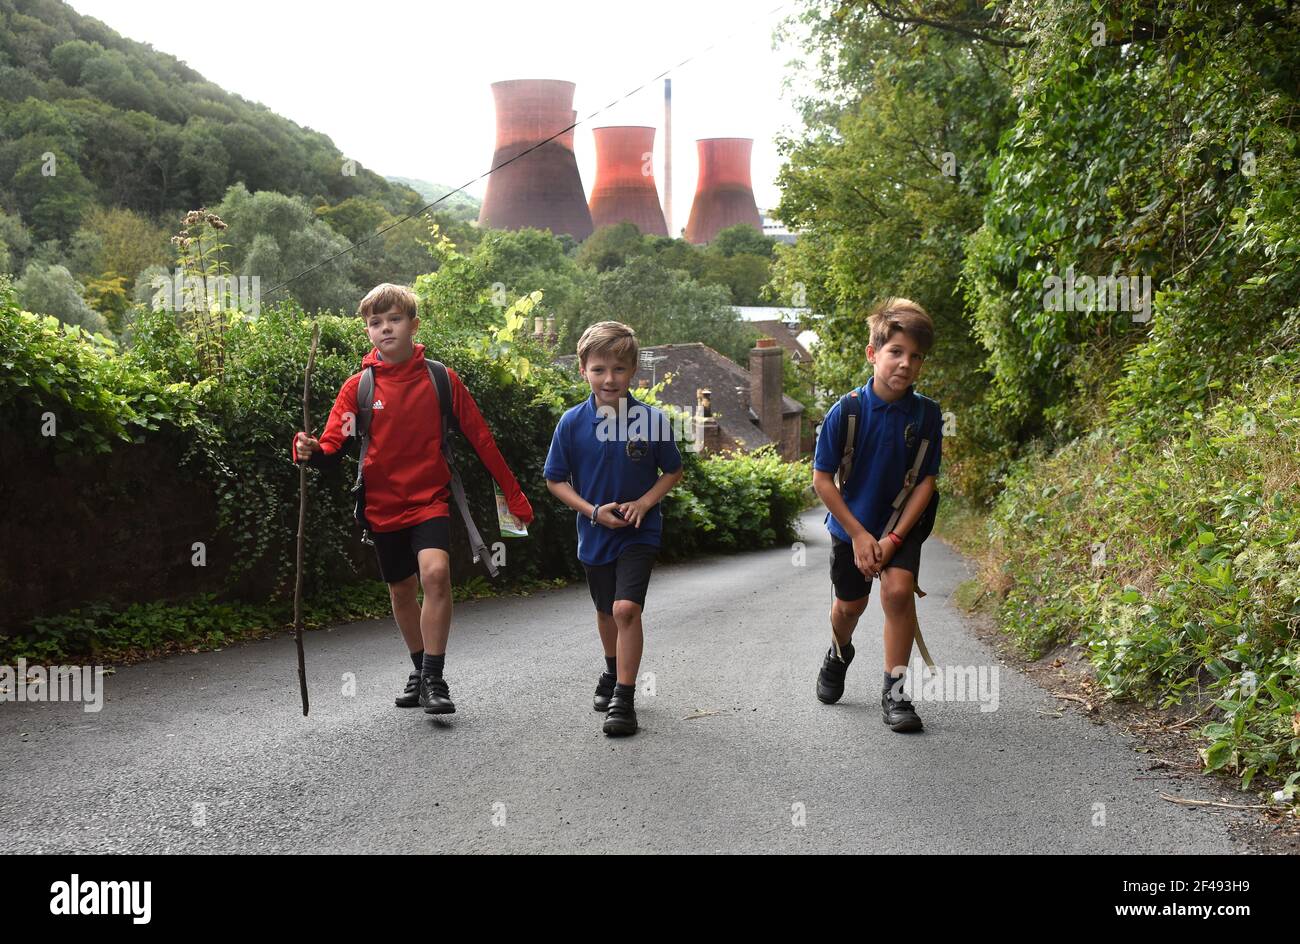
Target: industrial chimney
724, 195
668, 156
623, 189
542, 189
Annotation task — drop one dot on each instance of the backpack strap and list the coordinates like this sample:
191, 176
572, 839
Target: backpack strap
365, 410
851, 408
442, 386
912, 476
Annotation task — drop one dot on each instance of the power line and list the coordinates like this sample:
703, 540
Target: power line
562, 131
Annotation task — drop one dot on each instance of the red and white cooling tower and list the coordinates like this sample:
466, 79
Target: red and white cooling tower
542, 189
724, 195
625, 184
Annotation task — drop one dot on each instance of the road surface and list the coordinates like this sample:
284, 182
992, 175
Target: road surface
210, 752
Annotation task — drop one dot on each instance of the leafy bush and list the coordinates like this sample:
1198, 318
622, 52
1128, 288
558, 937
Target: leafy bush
1176, 564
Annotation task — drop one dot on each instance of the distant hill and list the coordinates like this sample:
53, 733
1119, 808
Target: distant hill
461, 206
130, 126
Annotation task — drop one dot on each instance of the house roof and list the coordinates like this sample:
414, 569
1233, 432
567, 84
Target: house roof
694, 366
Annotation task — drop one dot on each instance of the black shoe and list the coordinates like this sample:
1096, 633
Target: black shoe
604, 691
830, 681
435, 697
410, 696
621, 720
898, 715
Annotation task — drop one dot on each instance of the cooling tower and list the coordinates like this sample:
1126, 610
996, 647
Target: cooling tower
724, 195
623, 191
542, 189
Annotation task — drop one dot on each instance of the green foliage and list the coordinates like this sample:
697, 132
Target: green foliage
742, 239
1177, 566
666, 306
51, 290
275, 237
732, 503
95, 397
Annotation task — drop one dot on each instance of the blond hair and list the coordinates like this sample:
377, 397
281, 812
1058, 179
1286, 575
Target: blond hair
905, 315
608, 337
386, 296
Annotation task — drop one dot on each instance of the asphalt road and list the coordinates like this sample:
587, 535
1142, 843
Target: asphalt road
210, 752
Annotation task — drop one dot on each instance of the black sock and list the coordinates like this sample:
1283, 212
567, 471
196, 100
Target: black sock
627, 691
433, 665
609, 665
418, 659
891, 681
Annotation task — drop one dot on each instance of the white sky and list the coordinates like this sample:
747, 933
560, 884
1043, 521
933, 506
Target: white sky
404, 87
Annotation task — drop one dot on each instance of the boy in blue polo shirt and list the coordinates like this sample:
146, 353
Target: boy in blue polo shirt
892, 424
612, 460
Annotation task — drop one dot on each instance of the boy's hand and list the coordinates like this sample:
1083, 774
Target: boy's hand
306, 447
605, 515
887, 551
634, 512
521, 508
866, 554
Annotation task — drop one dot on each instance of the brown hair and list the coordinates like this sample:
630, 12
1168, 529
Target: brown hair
905, 315
608, 337
386, 296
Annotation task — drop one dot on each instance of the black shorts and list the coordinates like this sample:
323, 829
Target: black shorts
626, 578
848, 580
398, 551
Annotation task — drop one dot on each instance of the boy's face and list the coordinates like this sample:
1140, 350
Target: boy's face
897, 364
393, 334
609, 378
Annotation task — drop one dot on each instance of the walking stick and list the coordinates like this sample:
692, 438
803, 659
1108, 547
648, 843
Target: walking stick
302, 520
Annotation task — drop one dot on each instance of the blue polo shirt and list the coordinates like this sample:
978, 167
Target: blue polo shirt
607, 460
879, 455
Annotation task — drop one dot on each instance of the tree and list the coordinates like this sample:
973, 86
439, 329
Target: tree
516, 263
15, 242
275, 237
51, 290
123, 243
742, 238
52, 194
68, 59
611, 246
668, 307
744, 275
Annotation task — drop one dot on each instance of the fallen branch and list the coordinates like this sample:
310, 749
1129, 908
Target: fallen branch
1226, 806
1083, 701
1179, 724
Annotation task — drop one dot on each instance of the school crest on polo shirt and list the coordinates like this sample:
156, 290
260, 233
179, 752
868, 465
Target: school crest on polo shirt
637, 449
909, 435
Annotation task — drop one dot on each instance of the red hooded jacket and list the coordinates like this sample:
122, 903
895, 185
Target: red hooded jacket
406, 476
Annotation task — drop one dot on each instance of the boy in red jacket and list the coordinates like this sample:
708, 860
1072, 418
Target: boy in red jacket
406, 481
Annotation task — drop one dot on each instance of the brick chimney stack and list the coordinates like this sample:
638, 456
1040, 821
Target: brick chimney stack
765, 387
